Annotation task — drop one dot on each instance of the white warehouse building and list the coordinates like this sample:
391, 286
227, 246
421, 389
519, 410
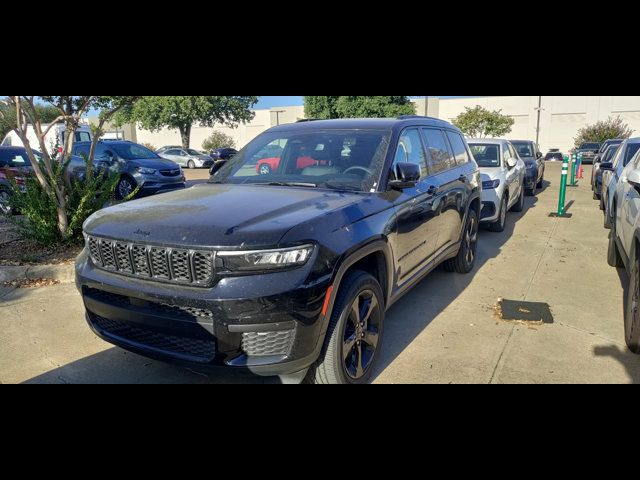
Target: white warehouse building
560, 118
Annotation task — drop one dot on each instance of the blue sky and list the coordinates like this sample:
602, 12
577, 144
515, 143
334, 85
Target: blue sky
269, 102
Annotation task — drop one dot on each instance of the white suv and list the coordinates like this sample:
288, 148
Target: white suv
624, 245
503, 178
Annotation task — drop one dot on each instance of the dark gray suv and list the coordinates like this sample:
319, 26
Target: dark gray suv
137, 165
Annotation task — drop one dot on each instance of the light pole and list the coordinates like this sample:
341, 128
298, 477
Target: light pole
278, 112
538, 124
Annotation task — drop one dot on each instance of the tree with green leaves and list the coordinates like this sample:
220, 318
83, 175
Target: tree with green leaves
478, 122
51, 172
322, 108
218, 140
48, 114
181, 113
602, 131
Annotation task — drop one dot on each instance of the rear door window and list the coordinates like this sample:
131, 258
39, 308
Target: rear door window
459, 149
440, 157
83, 137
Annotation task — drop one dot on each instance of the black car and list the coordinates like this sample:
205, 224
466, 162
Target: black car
290, 273
589, 151
223, 153
554, 157
534, 161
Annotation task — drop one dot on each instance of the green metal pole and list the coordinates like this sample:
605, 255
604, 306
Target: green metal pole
563, 185
574, 164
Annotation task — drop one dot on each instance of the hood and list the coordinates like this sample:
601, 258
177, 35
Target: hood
240, 216
157, 163
494, 173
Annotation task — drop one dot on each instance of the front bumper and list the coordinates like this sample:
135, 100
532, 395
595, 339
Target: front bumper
531, 179
490, 206
152, 184
267, 325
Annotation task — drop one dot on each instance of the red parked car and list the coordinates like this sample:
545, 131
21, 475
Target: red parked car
14, 164
268, 165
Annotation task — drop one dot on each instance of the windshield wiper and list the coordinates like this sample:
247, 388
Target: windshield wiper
289, 184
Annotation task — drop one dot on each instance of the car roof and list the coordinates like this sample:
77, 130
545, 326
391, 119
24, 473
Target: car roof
522, 141
364, 124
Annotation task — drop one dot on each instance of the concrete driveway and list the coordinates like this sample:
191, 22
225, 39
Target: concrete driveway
445, 331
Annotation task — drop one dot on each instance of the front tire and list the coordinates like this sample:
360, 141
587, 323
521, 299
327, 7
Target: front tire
126, 186
355, 333
613, 254
498, 227
519, 207
632, 310
5, 202
541, 182
465, 260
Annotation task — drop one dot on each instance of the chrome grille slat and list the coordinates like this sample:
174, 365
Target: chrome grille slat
169, 265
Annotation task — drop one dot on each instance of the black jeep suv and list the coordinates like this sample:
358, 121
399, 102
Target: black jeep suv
289, 273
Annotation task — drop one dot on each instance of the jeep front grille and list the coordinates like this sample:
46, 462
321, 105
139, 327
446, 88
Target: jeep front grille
163, 264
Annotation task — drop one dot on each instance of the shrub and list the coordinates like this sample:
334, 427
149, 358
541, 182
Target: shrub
150, 146
83, 197
602, 131
218, 140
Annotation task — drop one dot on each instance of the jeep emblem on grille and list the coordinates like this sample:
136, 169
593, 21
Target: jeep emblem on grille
142, 233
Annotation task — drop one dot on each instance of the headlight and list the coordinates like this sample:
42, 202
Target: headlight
531, 166
146, 171
491, 185
261, 260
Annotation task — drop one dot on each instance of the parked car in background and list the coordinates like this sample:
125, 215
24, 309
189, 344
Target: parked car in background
14, 166
288, 273
623, 156
168, 147
554, 156
188, 157
597, 172
503, 173
223, 153
137, 166
54, 139
605, 146
589, 152
533, 159
624, 245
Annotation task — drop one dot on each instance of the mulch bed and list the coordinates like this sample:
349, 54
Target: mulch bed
16, 251
34, 283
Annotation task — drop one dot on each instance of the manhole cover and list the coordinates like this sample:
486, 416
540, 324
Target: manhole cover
524, 312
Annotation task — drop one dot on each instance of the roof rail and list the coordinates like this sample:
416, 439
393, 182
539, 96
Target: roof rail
411, 117
303, 120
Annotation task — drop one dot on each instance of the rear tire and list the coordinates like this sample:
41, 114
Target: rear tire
518, 207
498, 227
191, 164
465, 260
355, 333
613, 255
632, 310
607, 220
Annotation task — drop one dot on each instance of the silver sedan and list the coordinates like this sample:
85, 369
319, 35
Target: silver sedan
187, 157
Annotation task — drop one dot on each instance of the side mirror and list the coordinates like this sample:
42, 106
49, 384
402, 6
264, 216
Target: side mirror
606, 166
407, 176
511, 163
216, 166
634, 178
539, 155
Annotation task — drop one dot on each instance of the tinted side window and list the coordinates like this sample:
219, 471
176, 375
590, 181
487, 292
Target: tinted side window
172, 152
459, 149
410, 150
512, 152
631, 151
440, 158
82, 151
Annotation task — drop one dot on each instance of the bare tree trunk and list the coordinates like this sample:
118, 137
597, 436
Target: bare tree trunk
185, 133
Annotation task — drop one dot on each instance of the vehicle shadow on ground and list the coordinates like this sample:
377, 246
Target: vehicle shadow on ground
437, 291
117, 366
623, 355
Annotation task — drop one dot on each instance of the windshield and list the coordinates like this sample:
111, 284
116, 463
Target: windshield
590, 146
195, 153
131, 151
487, 156
525, 149
333, 159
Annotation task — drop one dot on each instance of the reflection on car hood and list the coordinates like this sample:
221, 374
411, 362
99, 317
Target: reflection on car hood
223, 215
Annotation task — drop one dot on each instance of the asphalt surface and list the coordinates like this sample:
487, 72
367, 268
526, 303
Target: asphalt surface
449, 329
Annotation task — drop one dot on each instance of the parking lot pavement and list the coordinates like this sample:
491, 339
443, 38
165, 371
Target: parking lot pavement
445, 331
194, 177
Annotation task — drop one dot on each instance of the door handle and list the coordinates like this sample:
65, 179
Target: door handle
433, 190
463, 178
